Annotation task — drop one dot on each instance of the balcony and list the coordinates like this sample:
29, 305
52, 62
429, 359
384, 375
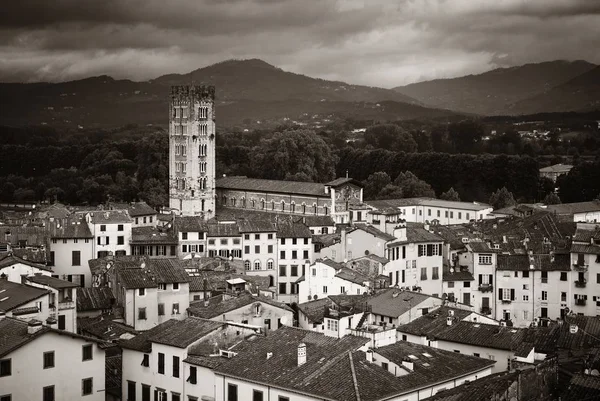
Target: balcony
580, 283
580, 266
506, 301
486, 287
486, 311
580, 302
63, 304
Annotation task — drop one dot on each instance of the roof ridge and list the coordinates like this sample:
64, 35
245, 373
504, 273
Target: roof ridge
354, 381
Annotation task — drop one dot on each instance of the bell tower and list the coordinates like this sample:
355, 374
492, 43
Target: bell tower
192, 150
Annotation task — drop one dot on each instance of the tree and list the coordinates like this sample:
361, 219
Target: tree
390, 137
551, 199
502, 198
412, 186
450, 195
375, 183
465, 135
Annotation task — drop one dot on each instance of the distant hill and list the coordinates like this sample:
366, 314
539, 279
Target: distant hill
581, 94
499, 91
246, 89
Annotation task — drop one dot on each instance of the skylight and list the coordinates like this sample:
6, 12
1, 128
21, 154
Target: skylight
412, 357
427, 355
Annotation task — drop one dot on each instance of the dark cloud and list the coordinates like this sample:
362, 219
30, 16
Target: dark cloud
374, 42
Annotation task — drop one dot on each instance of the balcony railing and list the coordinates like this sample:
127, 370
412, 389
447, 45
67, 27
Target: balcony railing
580, 283
580, 302
486, 287
486, 311
506, 301
580, 266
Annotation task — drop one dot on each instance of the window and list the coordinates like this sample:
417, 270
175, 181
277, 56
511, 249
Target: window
247, 264
146, 361
145, 392
324, 289
175, 366
175, 286
5, 367
257, 249
232, 392
257, 395
526, 274
161, 363
48, 393
87, 352
282, 288
450, 284
87, 386
342, 289
506, 292
294, 254
141, 292
102, 227
270, 264
269, 248
162, 286
76, 258
282, 398
130, 391
257, 265
48, 359
120, 226
294, 272
120, 240
332, 325
423, 273
525, 315
161, 309
544, 295
175, 396
282, 270
141, 313
485, 259
175, 310
526, 287
525, 297
192, 378
435, 275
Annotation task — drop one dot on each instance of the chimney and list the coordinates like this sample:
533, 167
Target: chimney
269, 355
408, 364
34, 326
301, 354
449, 321
369, 356
343, 239
2, 314
51, 322
400, 230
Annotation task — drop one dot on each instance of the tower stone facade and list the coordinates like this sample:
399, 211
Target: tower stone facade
192, 150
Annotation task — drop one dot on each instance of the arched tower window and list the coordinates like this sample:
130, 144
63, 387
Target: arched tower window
283, 206
247, 264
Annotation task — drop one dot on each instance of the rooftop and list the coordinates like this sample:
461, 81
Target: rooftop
223, 230
374, 232
13, 295
153, 235
51, 282
557, 168
183, 333
221, 304
394, 302
582, 387
94, 298
415, 234
256, 226
576, 207
137, 209
9, 260
273, 186
74, 228
395, 203
545, 262
109, 217
187, 224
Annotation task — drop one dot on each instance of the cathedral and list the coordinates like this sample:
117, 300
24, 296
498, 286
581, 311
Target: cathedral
195, 191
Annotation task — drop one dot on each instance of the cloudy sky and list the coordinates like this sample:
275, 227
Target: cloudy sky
373, 42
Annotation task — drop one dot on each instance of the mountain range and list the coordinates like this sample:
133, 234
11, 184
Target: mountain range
251, 92
553, 86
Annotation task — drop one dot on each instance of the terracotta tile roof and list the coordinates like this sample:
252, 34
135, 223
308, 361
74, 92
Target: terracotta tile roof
9, 260
375, 232
13, 295
25, 311
113, 375
582, 387
591, 249
314, 310
395, 203
186, 224
153, 235
13, 335
480, 247
577, 207
223, 230
458, 275
183, 333
344, 180
585, 235
437, 366
167, 271
290, 229
142, 342
110, 217
415, 234
33, 236
104, 328
557, 168
131, 274
33, 255
218, 305
561, 262
94, 298
316, 221
51, 282
256, 226
588, 335
326, 239
486, 388
434, 325
137, 209
394, 303
352, 276
69, 229
272, 186
135, 278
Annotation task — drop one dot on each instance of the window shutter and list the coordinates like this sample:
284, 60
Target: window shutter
500, 294
512, 294
480, 279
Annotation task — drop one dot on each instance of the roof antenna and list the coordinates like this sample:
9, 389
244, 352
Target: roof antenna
346, 173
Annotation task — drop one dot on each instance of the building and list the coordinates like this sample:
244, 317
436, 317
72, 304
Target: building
94, 301
246, 309
584, 212
295, 254
24, 302
394, 307
415, 259
41, 363
166, 362
555, 171
355, 241
334, 198
71, 246
327, 368
154, 242
470, 333
62, 299
585, 276
335, 316
111, 230
326, 277
192, 151
13, 268
259, 241
426, 210
190, 232
143, 215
